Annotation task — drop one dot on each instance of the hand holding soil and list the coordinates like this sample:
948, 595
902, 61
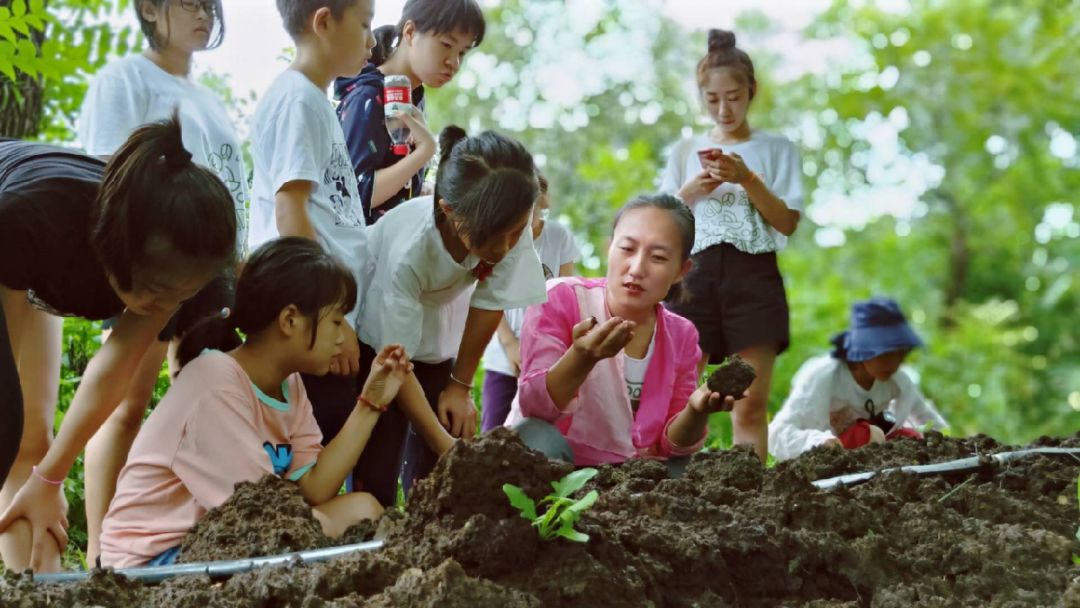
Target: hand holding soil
597, 342
732, 377
705, 401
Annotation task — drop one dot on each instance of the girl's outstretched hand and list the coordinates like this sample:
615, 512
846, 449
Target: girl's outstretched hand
388, 371
596, 341
705, 401
44, 507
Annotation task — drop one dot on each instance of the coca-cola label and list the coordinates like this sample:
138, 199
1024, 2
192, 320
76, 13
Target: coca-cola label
397, 95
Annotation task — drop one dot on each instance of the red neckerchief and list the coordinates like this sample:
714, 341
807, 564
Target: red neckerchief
483, 270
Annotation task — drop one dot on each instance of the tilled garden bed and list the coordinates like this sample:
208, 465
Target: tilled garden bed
729, 533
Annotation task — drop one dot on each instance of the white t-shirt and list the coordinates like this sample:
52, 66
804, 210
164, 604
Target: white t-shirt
726, 215
634, 373
419, 297
295, 136
133, 91
556, 247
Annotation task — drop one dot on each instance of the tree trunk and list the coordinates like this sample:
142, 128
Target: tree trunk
959, 256
22, 101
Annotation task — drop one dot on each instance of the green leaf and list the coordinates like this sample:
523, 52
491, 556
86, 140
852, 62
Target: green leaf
18, 8
571, 534
520, 501
7, 68
586, 502
573, 482
6, 32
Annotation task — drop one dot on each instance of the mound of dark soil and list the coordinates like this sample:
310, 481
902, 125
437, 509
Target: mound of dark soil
728, 533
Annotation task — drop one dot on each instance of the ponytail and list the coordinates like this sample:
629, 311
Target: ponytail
155, 203
386, 38
206, 321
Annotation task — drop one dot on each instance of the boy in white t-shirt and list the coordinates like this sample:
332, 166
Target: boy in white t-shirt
304, 183
502, 358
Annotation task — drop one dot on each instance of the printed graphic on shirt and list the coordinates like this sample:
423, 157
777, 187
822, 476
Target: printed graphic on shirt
729, 216
340, 182
633, 389
280, 457
226, 163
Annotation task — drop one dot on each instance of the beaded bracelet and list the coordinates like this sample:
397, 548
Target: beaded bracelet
371, 406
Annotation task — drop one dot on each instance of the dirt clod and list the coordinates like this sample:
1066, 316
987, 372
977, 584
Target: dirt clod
732, 377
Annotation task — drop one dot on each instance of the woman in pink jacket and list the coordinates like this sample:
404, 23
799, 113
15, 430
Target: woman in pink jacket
607, 373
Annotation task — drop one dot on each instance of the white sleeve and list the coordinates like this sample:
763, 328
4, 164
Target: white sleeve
115, 105
516, 282
672, 178
402, 313
922, 410
787, 184
803, 421
296, 147
569, 252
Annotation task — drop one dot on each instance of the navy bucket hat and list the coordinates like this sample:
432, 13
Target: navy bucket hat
877, 327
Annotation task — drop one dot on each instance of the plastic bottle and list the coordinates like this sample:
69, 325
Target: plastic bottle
397, 98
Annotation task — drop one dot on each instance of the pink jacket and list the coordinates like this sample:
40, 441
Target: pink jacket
599, 424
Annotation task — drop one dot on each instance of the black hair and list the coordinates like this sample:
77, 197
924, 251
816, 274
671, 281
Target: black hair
149, 30
290, 270
203, 321
488, 180
722, 53
542, 181
684, 221
295, 13
151, 194
435, 16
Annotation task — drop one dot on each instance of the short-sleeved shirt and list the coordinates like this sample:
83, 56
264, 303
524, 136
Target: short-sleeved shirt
555, 246
419, 296
212, 430
133, 91
46, 198
726, 215
364, 122
295, 136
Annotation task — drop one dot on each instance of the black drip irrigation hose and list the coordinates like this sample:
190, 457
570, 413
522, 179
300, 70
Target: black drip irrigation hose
217, 570
973, 463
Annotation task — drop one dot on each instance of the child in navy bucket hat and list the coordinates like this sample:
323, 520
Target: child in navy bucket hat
856, 394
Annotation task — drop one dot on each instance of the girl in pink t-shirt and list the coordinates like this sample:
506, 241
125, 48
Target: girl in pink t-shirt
604, 365
236, 416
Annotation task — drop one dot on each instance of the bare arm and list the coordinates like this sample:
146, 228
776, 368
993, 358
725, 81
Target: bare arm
322, 482
290, 209
390, 180
773, 210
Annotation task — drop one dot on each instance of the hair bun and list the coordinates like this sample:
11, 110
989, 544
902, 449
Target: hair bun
448, 138
721, 39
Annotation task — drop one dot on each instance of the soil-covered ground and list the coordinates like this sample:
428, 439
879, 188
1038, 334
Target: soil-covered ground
729, 533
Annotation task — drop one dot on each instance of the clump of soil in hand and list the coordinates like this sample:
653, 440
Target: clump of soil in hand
732, 377
268, 517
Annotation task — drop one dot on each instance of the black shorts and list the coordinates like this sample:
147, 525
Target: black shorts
736, 300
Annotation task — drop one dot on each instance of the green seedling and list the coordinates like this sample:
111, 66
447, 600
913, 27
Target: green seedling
562, 511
